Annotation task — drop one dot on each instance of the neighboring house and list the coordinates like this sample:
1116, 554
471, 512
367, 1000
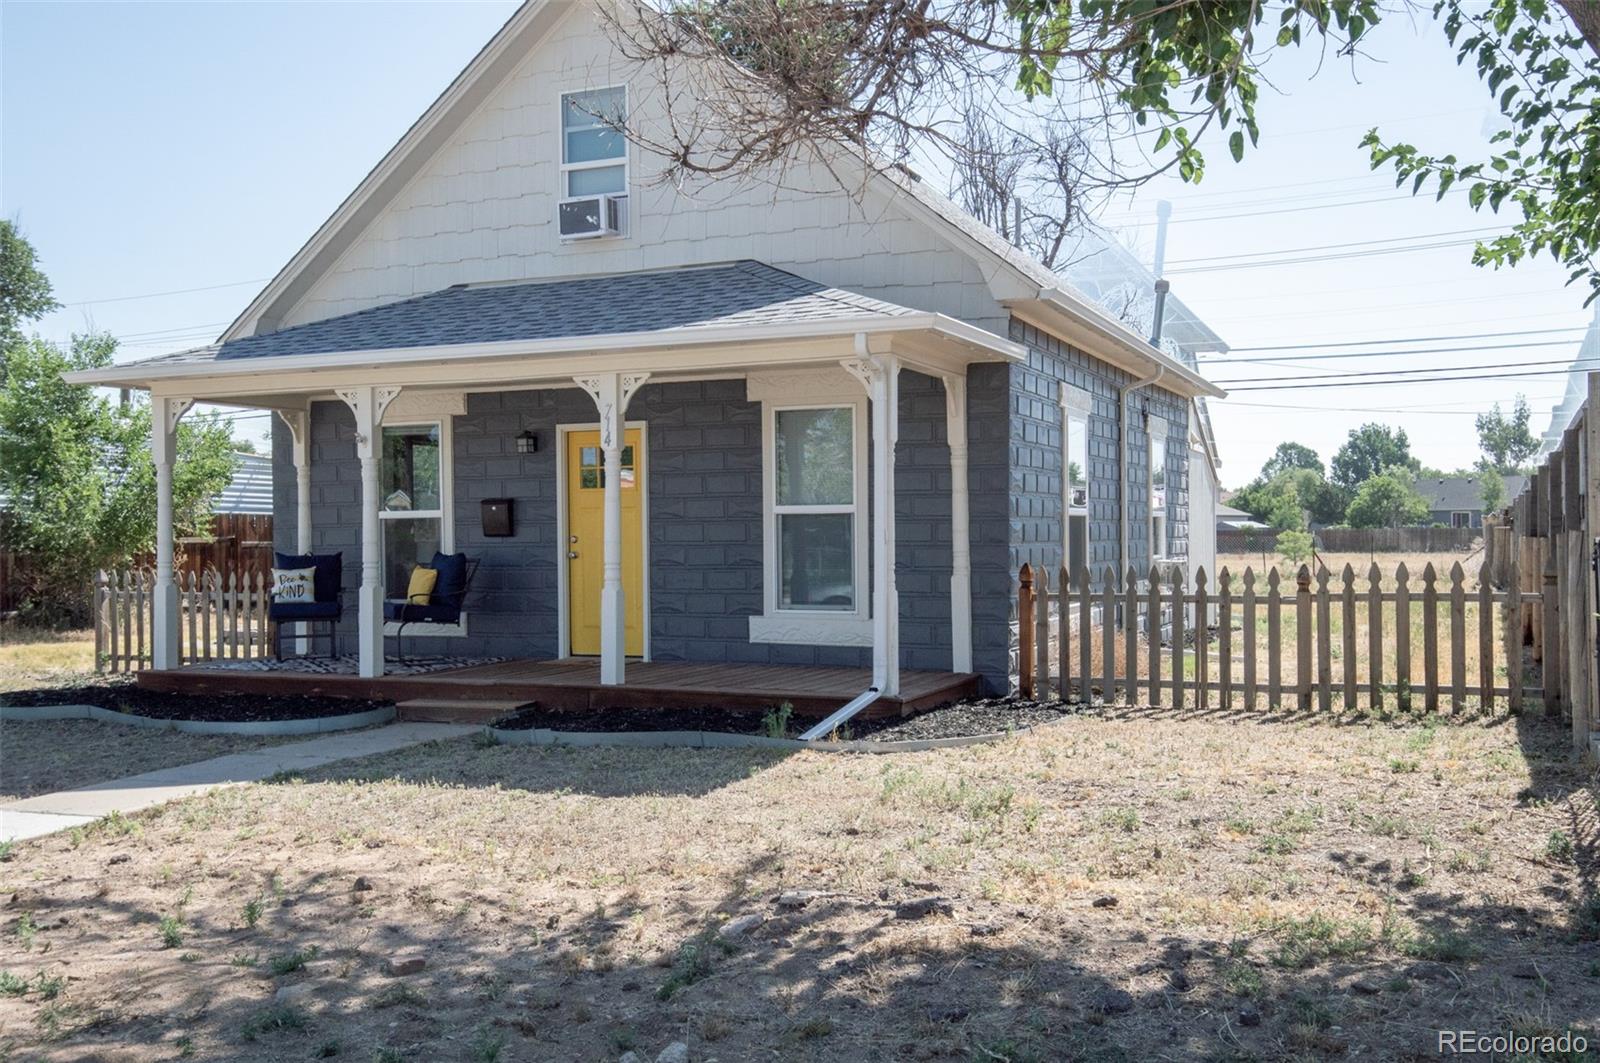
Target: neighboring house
714, 419
250, 489
1457, 501
1231, 519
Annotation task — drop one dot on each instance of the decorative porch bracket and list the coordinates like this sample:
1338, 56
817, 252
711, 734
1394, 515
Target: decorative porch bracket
165, 413
611, 393
880, 375
955, 419
368, 404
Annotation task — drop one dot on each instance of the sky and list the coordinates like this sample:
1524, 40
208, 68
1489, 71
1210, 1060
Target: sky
167, 159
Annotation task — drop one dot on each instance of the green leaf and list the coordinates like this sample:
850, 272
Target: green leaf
1236, 145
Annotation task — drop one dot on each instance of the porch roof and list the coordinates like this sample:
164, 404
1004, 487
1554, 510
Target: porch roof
736, 302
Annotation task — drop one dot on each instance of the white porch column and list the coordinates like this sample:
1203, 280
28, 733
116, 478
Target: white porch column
165, 643
299, 424
368, 404
611, 393
955, 421
880, 375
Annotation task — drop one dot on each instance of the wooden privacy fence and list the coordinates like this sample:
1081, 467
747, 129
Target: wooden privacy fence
1297, 640
219, 617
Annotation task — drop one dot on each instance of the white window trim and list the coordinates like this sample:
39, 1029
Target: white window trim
1157, 431
1077, 404
626, 160
813, 390
444, 514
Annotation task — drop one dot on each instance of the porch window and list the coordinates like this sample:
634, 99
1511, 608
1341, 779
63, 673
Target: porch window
594, 151
413, 489
815, 508
1159, 542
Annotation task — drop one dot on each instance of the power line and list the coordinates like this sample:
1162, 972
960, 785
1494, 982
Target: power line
1291, 360
1348, 244
1408, 372
1331, 409
1393, 339
174, 291
1430, 380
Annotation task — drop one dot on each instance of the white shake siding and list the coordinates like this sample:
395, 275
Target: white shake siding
483, 209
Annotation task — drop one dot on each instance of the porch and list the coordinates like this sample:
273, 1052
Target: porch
576, 683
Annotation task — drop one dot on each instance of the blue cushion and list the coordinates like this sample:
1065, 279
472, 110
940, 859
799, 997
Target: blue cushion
329, 577
399, 610
287, 611
452, 583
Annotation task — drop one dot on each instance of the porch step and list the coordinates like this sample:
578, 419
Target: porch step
453, 710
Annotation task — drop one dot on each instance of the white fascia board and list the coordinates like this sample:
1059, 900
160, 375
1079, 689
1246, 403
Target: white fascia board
961, 343
1106, 338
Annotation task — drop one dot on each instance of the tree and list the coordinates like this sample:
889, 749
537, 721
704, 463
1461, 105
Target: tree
1492, 486
1387, 500
79, 482
24, 290
1295, 546
1368, 451
1506, 441
1141, 86
1291, 456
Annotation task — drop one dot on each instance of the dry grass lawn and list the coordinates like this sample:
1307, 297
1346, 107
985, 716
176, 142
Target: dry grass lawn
43, 757
1137, 886
31, 657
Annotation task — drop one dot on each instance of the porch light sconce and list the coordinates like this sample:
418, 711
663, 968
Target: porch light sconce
527, 443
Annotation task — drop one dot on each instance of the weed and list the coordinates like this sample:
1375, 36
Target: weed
1586, 921
1464, 862
1400, 766
775, 724
487, 1044
6, 851
1123, 819
692, 963
1559, 847
1445, 946
171, 932
1240, 825
290, 962
1307, 942
326, 1050
1242, 979
396, 994
810, 1029
388, 1055
251, 913
114, 824
49, 986
185, 1046
486, 739
245, 959
271, 1019
12, 985
27, 931
189, 957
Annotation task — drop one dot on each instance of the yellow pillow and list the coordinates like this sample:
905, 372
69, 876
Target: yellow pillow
420, 589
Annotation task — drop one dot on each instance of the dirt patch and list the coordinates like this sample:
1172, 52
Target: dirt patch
618, 720
1140, 885
43, 757
988, 716
123, 695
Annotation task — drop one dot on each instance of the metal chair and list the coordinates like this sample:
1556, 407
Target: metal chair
443, 606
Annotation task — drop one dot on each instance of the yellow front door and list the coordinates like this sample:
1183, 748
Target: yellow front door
586, 540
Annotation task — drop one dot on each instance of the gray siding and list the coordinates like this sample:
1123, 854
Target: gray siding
704, 477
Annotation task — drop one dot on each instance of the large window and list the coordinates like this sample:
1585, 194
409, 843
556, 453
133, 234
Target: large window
815, 508
594, 151
1159, 542
412, 502
1075, 407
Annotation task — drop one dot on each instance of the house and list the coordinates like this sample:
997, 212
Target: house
1230, 519
796, 422
1457, 501
249, 490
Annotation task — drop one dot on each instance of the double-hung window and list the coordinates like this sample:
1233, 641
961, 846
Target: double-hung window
594, 149
814, 524
413, 501
1159, 542
1076, 406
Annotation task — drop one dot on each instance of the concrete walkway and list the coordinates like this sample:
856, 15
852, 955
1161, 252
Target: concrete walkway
49, 813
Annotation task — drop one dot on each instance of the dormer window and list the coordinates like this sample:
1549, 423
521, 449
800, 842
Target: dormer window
594, 162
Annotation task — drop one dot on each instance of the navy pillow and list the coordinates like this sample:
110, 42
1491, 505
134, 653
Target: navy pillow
327, 580
452, 569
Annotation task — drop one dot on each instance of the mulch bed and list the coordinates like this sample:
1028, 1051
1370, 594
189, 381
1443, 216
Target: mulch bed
123, 695
958, 720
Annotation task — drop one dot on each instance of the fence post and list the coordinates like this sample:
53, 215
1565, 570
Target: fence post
1458, 638
1590, 489
1302, 636
1041, 639
96, 609
1130, 634
1225, 636
1550, 606
1179, 605
1153, 641
1202, 645
1064, 647
1430, 640
1402, 638
1108, 633
1248, 638
1080, 582
1576, 550
1025, 631
1347, 613
1274, 641
1324, 642
1375, 638
1486, 637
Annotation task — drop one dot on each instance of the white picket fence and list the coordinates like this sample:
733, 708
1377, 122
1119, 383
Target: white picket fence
219, 617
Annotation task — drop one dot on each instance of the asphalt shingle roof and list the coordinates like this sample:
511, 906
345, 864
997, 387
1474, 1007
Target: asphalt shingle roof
1463, 493
740, 293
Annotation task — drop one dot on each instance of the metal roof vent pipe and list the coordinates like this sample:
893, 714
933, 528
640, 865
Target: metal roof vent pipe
1163, 286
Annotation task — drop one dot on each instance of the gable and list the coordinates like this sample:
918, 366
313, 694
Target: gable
481, 208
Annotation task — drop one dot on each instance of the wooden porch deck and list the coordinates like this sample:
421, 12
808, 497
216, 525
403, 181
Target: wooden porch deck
575, 684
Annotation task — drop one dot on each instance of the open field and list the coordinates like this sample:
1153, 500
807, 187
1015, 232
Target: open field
1137, 886
31, 657
1387, 563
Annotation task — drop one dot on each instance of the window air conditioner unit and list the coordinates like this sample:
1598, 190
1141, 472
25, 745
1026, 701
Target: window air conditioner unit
586, 217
